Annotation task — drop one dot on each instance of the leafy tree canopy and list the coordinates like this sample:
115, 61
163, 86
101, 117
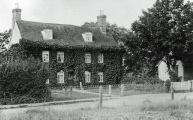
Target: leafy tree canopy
165, 32
5, 39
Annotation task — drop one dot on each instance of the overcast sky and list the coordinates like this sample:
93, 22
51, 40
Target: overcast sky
75, 12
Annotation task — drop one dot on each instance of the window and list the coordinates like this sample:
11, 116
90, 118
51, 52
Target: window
87, 37
100, 58
45, 56
87, 76
60, 77
60, 57
47, 34
87, 58
100, 74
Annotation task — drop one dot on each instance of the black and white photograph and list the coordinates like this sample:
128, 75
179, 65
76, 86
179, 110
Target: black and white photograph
96, 59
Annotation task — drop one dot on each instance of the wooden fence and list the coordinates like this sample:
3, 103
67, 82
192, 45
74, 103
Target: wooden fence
183, 86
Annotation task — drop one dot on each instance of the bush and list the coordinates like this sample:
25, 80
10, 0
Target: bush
174, 77
167, 84
23, 82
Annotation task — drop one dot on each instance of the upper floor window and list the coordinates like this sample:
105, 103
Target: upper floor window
47, 34
87, 37
45, 56
100, 74
100, 58
60, 57
60, 77
87, 57
87, 76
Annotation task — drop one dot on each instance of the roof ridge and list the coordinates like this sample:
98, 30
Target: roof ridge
36, 22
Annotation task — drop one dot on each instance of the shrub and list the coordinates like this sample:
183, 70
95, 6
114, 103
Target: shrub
174, 77
23, 82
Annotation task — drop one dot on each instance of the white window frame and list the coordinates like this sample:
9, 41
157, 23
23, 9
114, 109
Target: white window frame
100, 74
100, 58
62, 57
45, 56
87, 76
60, 77
47, 34
87, 36
87, 57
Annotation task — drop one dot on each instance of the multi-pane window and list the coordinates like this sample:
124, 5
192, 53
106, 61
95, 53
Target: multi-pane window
47, 34
87, 76
87, 57
60, 57
100, 74
60, 77
100, 58
87, 37
45, 56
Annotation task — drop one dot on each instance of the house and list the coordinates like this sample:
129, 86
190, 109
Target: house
163, 70
74, 54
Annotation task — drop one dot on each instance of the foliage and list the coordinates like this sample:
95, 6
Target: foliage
74, 61
165, 31
137, 80
5, 39
167, 84
23, 82
174, 77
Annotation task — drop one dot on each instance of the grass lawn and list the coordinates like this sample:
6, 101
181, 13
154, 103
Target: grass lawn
62, 96
117, 91
169, 110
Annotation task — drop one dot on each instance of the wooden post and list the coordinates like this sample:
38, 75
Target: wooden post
172, 91
81, 87
122, 89
100, 96
70, 90
109, 90
190, 86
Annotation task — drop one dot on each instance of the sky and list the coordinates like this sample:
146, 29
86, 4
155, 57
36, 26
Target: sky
74, 12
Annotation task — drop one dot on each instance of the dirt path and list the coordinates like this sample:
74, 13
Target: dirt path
127, 100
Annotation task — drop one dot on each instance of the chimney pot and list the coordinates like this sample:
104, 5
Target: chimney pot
17, 5
101, 12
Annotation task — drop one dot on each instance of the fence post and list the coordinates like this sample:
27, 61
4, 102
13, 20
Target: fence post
172, 91
190, 86
110, 90
100, 96
122, 89
81, 87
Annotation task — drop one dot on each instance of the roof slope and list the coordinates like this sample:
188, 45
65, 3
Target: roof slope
64, 35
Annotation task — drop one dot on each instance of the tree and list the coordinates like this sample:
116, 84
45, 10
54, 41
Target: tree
164, 32
5, 39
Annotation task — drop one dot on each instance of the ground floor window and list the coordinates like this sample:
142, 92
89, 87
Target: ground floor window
60, 77
87, 76
100, 74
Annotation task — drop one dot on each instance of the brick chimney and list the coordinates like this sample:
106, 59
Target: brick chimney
101, 21
16, 14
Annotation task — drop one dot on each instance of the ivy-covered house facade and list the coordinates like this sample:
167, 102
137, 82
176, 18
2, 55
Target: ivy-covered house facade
74, 54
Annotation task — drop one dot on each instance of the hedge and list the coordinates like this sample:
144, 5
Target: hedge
23, 82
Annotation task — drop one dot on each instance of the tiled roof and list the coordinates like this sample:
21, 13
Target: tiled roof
64, 35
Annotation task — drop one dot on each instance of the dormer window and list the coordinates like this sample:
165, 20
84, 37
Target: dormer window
87, 37
47, 34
